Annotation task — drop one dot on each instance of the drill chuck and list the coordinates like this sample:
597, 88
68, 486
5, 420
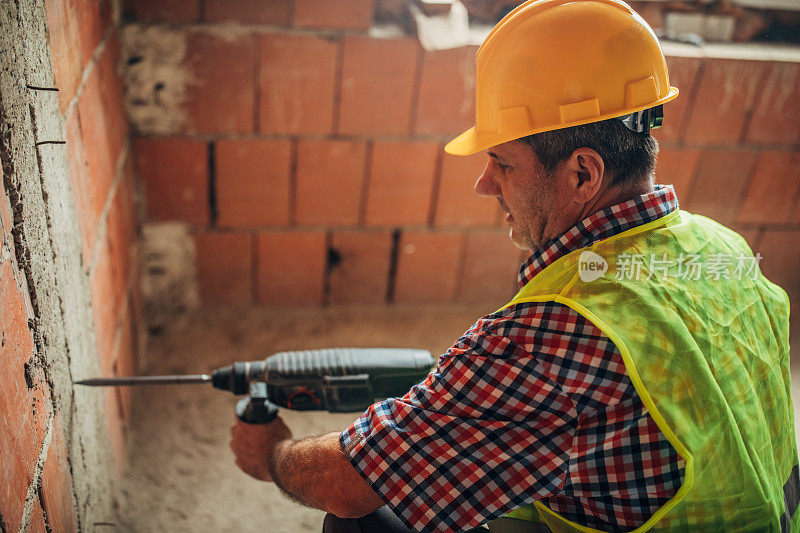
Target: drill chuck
236, 378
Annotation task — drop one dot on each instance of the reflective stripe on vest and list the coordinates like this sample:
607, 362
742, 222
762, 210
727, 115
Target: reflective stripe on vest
791, 498
710, 360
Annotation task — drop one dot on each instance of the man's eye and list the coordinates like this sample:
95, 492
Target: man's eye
503, 166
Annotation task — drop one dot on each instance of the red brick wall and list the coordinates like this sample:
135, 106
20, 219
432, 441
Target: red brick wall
334, 140
26, 407
85, 51
310, 164
101, 175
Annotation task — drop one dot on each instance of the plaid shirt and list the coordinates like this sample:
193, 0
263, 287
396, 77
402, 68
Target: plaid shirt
532, 403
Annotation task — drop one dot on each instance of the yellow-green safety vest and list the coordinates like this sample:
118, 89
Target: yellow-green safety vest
707, 350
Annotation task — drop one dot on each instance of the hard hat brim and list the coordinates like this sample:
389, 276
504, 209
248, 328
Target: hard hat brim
472, 141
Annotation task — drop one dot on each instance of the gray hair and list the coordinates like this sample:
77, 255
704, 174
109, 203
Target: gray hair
629, 157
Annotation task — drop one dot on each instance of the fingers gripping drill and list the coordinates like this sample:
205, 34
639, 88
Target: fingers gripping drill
335, 380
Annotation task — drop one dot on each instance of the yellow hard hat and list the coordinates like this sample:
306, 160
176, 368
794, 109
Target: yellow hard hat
553, 64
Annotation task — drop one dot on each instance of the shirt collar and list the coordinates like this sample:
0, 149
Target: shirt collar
602, 225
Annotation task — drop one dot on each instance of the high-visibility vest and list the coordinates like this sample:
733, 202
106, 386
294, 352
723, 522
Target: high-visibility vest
708, 353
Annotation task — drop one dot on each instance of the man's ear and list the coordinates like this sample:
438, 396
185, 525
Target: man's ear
587, 173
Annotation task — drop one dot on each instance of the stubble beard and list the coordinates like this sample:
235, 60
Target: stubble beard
522, 235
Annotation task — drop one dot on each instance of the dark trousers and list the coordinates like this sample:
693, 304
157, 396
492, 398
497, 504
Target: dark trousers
383, 520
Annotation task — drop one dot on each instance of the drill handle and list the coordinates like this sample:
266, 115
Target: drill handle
256, 408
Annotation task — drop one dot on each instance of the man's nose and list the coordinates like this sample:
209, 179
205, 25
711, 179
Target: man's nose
486, 184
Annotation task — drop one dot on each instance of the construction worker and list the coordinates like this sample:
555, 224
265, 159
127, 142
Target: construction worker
639, 380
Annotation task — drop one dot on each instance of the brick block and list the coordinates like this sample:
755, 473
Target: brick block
446, 102
119, 243
64, 29
128, 186
113, 97
377, 85
297, 80
106, 300
773, 188
330, 175
94, 18
114, 267
427, 267
15, 478
95, 130
400, 183
458, 204
24, 407
291, 268
678, 167
87, 203
163, 10
252, 182
344, 14
175, 174
728, 91
122, 231
222, 97
97, 136
720, 183
57, 484
683, 75
275, 12
491, 265
361, 271
777, 113
781, 259
224, 267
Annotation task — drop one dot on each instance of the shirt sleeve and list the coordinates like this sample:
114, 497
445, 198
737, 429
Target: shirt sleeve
487, 431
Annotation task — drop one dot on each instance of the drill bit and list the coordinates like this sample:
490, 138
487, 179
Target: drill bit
145, 380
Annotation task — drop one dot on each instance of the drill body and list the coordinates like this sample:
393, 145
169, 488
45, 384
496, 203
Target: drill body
335, 380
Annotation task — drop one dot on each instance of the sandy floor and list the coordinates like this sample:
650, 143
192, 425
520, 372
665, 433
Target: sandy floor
181, 476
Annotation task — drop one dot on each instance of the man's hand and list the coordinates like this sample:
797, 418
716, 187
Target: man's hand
253, 445
313, 471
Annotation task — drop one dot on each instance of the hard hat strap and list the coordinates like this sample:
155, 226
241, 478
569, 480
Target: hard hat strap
645, 120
